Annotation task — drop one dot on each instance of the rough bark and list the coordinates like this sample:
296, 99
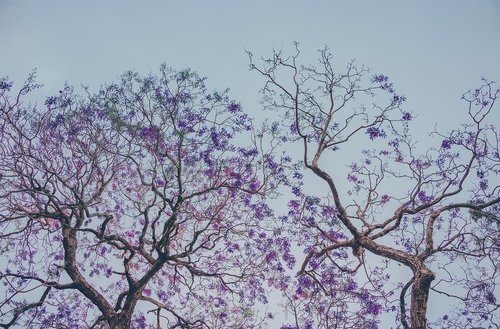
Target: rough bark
120, 321
419, 297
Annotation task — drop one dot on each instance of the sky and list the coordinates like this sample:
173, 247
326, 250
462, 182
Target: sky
433, 51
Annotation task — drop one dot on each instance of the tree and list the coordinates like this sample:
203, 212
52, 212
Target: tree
145, 205
435, 214
139, 206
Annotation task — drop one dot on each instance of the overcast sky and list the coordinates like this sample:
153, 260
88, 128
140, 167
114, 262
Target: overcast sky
432, 50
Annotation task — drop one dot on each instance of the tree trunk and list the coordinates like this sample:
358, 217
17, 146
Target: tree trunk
119, 321
419, 297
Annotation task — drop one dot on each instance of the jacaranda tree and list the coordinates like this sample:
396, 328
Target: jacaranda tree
138, 206
404, 211
144, 205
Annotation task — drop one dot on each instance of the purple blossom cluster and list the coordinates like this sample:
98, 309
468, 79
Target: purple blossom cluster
375, 132
5, 85
385, 198
446, 144
423, 197
51, 101
149, 133
383, 82
234, 108
407, 116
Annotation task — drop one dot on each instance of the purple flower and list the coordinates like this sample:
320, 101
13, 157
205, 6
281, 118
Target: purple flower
407, 116
140, 321
352, 178
205, 155
270, 256
490, 298
385, 199
234, 108
160, 182
296, 190
182, 124
374, 132
373, 308
58, 120
219, 138
254, 185
424, 198
380, 78
351, 286
294, 204
329, 211
270, 162
149, 133
364, 296
51, 101
384, 82
483, 184
243, 122
248, 152
397, 100
305, 281
5, 85
384, 152
446, 144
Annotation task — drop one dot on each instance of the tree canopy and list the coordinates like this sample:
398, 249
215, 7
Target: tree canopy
134, 202
156, 203
433, 211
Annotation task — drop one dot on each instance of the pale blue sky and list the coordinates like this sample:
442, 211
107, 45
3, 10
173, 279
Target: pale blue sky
432, 50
